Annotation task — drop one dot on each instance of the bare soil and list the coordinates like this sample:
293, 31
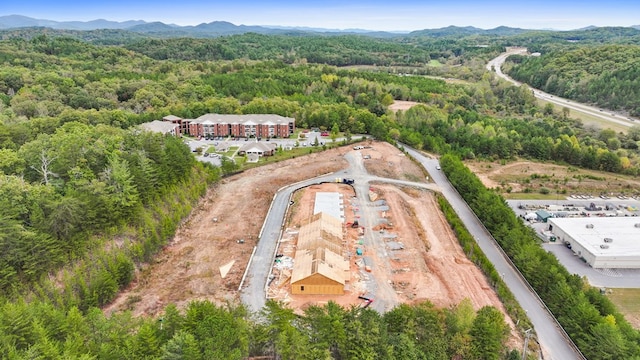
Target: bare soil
521, 176
402, 105
188, 268
390, 162
431, 266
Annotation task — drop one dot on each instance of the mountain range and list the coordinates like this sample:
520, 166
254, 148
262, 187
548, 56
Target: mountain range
222, 28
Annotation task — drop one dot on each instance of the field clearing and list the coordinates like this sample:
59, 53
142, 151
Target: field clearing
209, 253
627, 302
528, 180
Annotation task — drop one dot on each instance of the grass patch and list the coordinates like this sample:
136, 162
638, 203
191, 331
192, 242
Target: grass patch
626, 300
290, 154
435, 63
232, 150
533, 196
587, 120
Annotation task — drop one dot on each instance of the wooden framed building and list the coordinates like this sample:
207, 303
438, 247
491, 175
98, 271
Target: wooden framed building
319, 267
319, 272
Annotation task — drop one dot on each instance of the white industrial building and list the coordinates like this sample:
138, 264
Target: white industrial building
603, 242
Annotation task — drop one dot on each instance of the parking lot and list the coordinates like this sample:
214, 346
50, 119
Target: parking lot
227, 142
575, 207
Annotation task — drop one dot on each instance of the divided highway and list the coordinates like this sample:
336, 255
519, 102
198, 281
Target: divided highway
552, 338
496, 65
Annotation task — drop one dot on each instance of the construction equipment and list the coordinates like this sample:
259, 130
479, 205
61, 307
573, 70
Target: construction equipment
345, 181
367, 301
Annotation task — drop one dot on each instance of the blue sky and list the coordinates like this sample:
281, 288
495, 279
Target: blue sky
388, 15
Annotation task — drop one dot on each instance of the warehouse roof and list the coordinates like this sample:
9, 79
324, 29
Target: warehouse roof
622, 234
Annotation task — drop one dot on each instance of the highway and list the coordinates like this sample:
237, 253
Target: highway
496, 65
552, 339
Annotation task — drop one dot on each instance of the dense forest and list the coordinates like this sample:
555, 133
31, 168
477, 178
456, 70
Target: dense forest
87, 198
607, 75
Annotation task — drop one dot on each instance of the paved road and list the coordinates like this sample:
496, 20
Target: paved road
550, 336
496, 65
253, 292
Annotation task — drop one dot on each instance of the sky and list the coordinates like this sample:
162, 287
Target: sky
385, 15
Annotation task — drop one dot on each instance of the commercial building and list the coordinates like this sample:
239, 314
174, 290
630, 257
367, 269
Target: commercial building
603, 242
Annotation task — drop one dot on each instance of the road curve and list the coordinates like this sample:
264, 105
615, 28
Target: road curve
496, 65
552, 339
253, 295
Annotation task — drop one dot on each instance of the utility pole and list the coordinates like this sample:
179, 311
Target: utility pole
527, 335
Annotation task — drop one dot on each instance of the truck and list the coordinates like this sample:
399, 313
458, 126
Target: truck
345, 181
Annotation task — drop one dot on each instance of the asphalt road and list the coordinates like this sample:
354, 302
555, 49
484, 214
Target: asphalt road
551, 337
496, 65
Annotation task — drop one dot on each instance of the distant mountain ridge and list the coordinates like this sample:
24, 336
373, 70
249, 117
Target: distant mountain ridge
223, 28
19, 21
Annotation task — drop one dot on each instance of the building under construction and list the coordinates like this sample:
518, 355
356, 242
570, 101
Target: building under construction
319, 265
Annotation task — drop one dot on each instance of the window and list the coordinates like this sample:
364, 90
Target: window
302, 288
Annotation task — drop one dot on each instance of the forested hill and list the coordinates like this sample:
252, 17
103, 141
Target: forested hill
607, 76
86, 198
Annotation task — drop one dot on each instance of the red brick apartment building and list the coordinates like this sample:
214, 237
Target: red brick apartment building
251, 125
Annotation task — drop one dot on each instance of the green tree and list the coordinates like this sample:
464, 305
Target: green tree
335, 130
488, 332
182, 346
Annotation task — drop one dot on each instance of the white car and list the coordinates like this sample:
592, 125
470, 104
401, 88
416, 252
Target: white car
437, 167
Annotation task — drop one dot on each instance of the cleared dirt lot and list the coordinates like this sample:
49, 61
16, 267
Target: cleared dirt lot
561, 180
431, 266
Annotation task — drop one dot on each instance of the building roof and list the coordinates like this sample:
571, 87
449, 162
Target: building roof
163, 127
247, 119
258, 147
591, 232
320, 261
323, 231
330, 203
171, 118
544, 214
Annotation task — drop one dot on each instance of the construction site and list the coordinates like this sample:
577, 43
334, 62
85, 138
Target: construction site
393, 239
324, 257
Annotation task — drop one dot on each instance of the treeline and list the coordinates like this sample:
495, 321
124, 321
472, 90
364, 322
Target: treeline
589, 318
114, 86
206, 331
332, 50
66, 194
607, 76
543, 137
